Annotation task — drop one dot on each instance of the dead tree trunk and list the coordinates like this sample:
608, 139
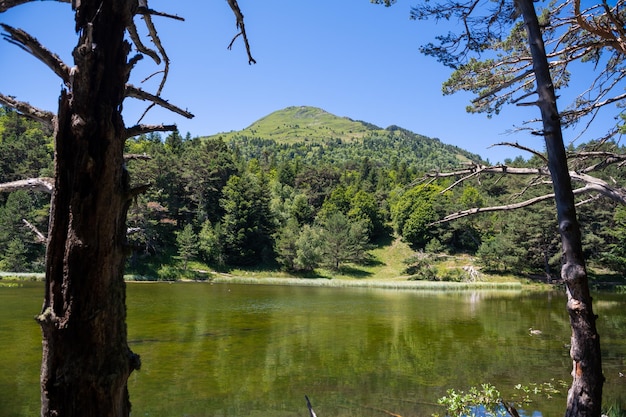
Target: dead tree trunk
585, 394
86, 359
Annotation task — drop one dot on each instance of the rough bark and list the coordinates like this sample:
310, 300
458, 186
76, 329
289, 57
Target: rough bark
585, 394
86, 359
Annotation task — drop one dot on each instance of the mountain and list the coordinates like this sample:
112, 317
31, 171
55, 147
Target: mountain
314, 135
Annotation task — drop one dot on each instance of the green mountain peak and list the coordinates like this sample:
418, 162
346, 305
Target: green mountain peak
307, 126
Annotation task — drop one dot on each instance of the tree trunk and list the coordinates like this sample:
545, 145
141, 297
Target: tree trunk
86, 359
585, 395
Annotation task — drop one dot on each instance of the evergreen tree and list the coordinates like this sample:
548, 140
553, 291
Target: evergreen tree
343, 240
287, 244
248, 224
187, 242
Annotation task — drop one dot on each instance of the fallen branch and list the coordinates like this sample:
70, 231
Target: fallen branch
40, 238
42, 116
136, 157
308, 404
43, 184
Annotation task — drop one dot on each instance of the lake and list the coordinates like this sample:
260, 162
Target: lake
256, 350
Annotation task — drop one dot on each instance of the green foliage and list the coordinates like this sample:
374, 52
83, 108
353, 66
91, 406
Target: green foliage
26, 149
343, 240
15, 257
484, 401
287, 244
487, 401
309, 252
174, 273
616, 253
614, 409
419, 267
18, 250
264, 195
248, 224
209, 244
187, 242
299, 248
415, 210
500, 253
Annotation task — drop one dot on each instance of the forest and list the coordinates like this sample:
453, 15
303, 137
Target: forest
303, 189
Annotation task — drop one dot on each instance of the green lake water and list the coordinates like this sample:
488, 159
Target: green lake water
253, 350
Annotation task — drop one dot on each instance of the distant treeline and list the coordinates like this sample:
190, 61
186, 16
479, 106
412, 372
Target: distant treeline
304, 205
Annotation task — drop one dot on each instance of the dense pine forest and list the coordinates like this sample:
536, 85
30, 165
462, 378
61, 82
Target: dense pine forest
301, 190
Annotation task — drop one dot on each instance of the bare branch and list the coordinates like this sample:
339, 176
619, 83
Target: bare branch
476, 210
143, 129
136, 157
146, 11
7, 4
242, 29
134, 192
464, 213
592, 185
496, 169
608, 158
523, 148
134, 92
596, 184
605, 33
42, 184
42, 116
40, 238
32, 46
134, 36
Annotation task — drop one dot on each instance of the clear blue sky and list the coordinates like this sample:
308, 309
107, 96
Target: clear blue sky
350, 58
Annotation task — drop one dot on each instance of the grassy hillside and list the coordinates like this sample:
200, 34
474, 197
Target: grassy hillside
302, 123
308, 131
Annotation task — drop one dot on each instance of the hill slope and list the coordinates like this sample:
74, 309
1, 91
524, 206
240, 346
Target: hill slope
313, 134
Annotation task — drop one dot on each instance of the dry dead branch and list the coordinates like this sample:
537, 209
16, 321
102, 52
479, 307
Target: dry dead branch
42, 116
43, 184
7, 4
39, 237
31, 45
134, 92
242, 29
143, 129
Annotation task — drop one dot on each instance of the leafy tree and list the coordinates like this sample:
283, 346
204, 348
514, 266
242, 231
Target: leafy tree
287, 244
248, 224
187, 242
500, 253
301, 210
17, 245
15, 257
210, 245
309, 249
364, 206
415, 211
343, 240
616, 254
206, 166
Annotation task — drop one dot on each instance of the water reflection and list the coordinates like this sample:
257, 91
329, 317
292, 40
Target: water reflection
233, 350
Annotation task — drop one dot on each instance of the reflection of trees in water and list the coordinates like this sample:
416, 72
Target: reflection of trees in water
263, 348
